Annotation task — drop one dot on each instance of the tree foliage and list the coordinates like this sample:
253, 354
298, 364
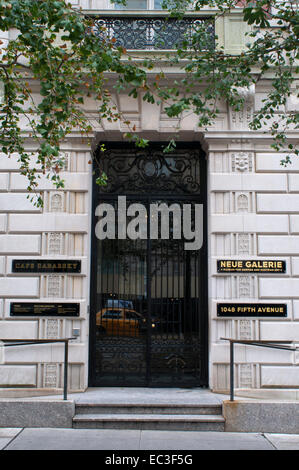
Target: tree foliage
57, 47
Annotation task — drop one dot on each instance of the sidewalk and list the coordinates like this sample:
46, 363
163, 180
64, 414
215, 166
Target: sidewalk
29, 438
135, 440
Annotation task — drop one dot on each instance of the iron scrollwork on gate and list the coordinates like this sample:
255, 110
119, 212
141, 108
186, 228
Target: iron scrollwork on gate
136, 171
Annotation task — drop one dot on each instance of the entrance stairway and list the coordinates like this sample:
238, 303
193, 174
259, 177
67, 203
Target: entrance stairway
172, 417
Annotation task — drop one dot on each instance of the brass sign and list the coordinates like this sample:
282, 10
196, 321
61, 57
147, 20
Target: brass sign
29, 309
46, 266
251, 266
251, 310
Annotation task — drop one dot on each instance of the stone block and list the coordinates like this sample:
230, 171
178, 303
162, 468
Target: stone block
278, 331
2, 265
296, 309
46, 353
293, 183
12, 202
8, 163
294, 224
3, 223
14, 375
74, 182
277, 203
218, 163
248, 182
271, 162
19, 330
249, 223
3, 181
250, 355
19, 287
278, 288
295, 266
36, 413
276, 376
11, 163
19, 244
293, 102
150, 116
278, 245
128, 103
261, 416
49, 223
235, 30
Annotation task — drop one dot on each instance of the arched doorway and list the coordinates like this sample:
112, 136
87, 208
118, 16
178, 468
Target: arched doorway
149, 321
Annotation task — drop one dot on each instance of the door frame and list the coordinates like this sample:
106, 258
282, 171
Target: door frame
203, 288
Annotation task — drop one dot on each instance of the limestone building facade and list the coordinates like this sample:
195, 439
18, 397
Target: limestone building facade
252, 213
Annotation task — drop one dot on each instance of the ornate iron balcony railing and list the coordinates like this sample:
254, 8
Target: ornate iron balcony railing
154, 33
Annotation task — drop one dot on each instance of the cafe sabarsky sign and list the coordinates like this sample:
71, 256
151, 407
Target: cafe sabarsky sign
46, 266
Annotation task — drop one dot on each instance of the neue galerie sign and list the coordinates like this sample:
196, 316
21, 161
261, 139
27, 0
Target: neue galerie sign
45, 266
28, 309
251, 310
251, 266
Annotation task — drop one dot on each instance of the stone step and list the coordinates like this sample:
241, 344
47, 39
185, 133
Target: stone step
151, 408
174, 422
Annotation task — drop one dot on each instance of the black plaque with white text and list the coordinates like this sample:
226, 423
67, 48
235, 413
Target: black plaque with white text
44, 309
46, 266
251, 266
251, 310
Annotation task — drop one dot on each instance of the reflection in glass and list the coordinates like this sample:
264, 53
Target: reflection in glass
147, 316
133, 5
158, 4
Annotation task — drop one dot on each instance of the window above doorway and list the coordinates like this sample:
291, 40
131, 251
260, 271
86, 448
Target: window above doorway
140, 5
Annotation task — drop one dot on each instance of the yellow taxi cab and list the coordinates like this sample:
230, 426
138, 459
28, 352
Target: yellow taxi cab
120, 322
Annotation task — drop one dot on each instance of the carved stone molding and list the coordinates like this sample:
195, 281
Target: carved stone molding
66, 158
245, 329
246, 376
240, 141
54, 285
55, 243
52, 329
56, 202
241, 162
241, 119
50, 375
244, 288
243, 245
242, 203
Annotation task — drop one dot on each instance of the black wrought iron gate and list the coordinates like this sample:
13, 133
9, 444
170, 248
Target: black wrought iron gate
149, 295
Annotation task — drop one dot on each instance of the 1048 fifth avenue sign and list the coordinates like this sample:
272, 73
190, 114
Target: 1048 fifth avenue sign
251, 266
251, 310
46, 266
